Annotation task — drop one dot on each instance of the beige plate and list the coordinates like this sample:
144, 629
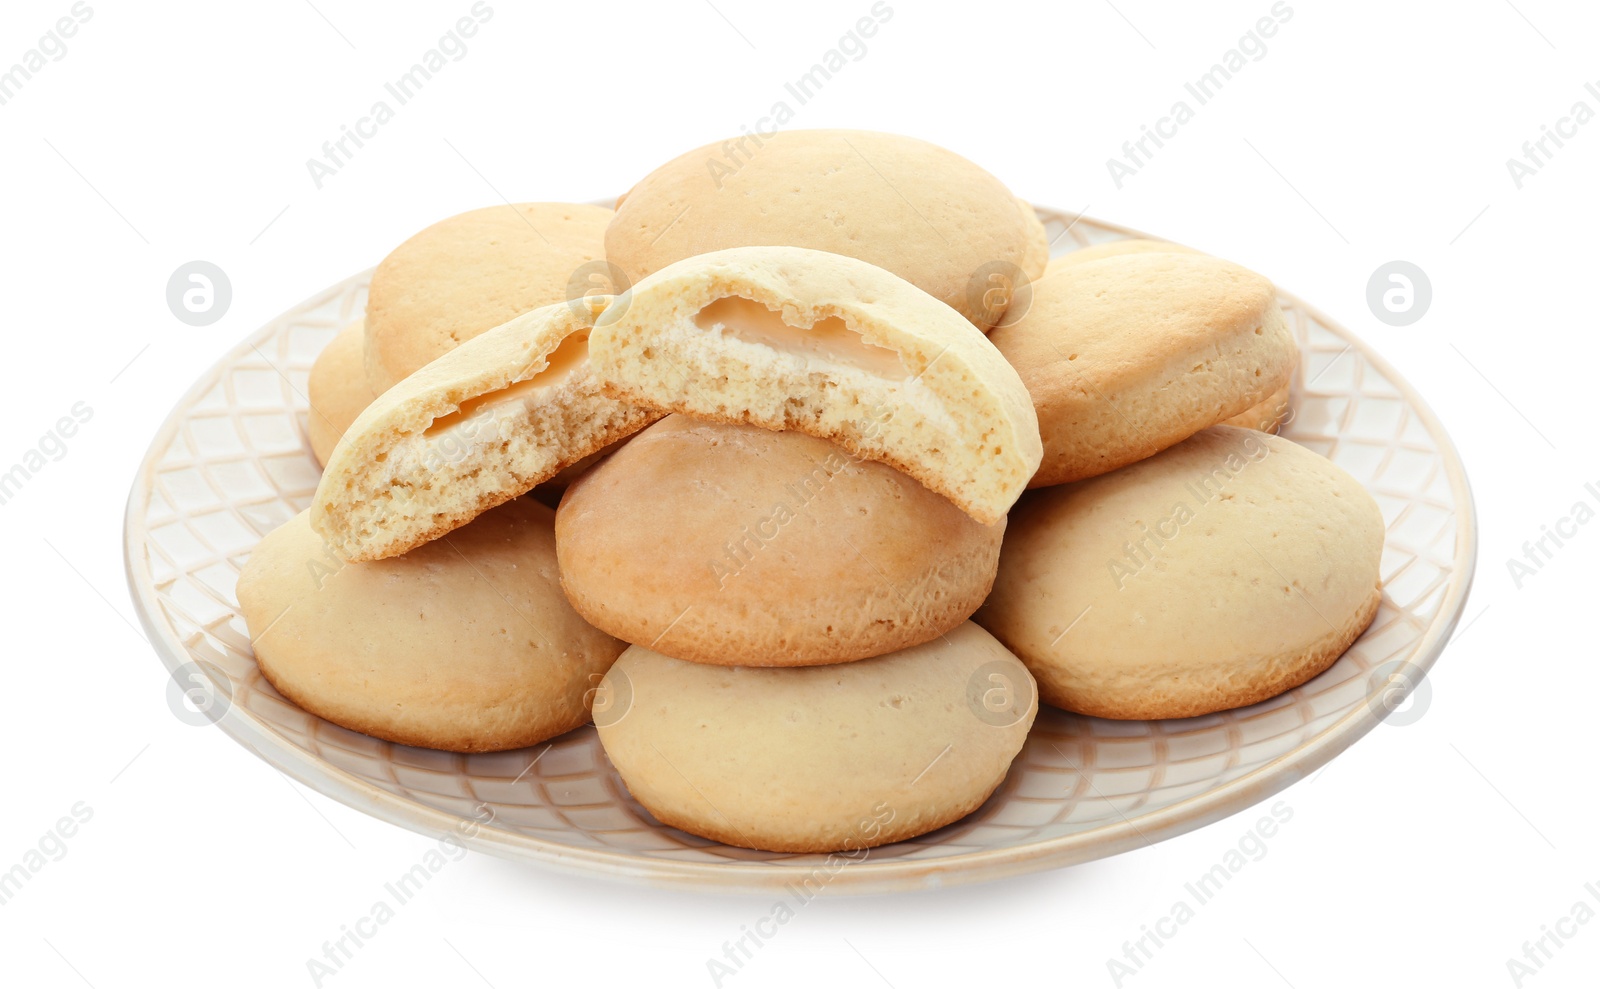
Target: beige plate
232, 462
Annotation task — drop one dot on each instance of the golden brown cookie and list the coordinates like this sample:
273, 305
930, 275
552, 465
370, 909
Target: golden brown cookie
1126, 355
337, 390
1217, 573
473, 272
466, 644
913, 208
1267, 416
741, 546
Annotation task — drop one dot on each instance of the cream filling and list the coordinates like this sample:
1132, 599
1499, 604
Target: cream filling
827, 341
491, 407
756, 342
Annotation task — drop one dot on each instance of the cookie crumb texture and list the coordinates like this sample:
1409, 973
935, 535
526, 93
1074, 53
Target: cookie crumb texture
915, 386
481, 425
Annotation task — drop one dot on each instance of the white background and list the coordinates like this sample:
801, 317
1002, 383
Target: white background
1370, 131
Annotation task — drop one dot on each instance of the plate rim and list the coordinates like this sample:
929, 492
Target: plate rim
865, 877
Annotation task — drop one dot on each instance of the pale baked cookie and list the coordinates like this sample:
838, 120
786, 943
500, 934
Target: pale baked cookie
1268, 417
1126, 355
1217, 573
1117, 248
913, 208
337, 391
790, 338
470, 273
466, 644
1271, 413
481, 425
740, 546
820, 759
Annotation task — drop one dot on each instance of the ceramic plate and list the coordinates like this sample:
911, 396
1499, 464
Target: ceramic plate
232, 462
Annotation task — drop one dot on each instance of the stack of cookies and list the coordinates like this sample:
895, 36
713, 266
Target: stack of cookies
789, 417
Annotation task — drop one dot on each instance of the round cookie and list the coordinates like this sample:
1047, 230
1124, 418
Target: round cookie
1217, 573
926, 214
337, 390
1126, 355
1268, 417
740, 546
470, 273
466, 644
1117, 248
820, 759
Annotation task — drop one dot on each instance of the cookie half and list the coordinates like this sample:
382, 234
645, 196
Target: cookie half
337, 390
927, 214
470, 273
740, 546
821, 759
1126, 355
479, 426
1217, 573
466, 644
790, 338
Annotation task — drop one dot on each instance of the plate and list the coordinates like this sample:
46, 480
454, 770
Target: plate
232, 462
